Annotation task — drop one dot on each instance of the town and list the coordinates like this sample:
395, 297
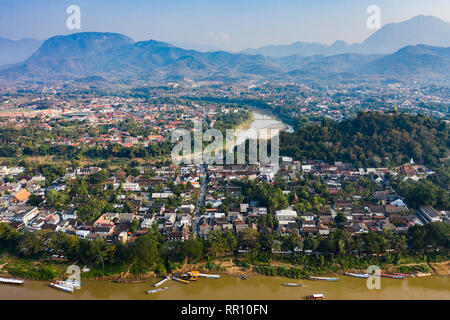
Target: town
314, 197
98, 168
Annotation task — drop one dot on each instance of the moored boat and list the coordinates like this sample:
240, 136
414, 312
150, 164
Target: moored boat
315, 296
406, 275
11, 281
129, 280
209, 276
162, 281
422, 274
70, 283
190, 276
292, 285
243, 277
392, 276
157, 290
62, 287
357, 275
180, 280
324, 278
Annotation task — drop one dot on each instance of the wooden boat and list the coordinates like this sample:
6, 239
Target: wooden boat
392, 276
162, 281
69, 283
324, 278
62, 287
190, 276
315, 296
11, 281
357, 275
292, 285
180, 280
406, 275
157, 290
128, 280
422, 274
209, 276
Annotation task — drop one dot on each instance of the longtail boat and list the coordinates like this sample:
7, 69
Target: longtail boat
315, 296
292, 285
324, 278
180, 280
11, 281
357, 275
62, 287
157, 290
162, 281
392, 276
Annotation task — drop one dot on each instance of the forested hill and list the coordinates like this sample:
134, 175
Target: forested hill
371, 139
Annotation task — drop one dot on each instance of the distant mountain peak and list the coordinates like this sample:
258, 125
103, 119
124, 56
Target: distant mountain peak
154, 43
421, 29
14, 51
81, 44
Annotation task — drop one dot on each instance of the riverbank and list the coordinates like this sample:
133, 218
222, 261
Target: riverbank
235, 288
11, 266
230, 268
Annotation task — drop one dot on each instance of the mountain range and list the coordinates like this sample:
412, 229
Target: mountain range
14, 51
93, 55
392, 37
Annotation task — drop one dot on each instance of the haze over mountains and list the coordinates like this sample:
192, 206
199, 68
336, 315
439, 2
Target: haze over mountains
14, 51
421, 29
113, 56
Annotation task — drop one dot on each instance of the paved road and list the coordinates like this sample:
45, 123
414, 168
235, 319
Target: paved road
201, 198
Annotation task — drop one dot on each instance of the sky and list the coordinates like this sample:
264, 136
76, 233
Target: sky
225, 24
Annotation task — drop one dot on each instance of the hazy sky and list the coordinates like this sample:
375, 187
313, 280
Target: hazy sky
226, 24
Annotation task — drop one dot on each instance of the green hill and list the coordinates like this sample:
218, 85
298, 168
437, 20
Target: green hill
371, 139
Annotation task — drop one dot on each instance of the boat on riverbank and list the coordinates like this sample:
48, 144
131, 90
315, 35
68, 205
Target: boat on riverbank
323, 279
209, 276
292, 284
62, 287
70, 283
180, 280
128, 280
157, 290
190, 276
162, 281
11, 281
315, 296
422, 274
357, 275
392, 276
406, 275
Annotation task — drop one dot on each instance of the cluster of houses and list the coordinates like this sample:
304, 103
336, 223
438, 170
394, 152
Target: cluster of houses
385, 211
151, 207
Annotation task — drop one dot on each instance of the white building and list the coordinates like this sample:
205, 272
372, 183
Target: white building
286, 216
131, 186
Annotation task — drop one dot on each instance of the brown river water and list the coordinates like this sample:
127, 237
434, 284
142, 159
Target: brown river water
230, 287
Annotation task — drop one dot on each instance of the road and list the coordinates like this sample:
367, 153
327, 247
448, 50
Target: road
201, 197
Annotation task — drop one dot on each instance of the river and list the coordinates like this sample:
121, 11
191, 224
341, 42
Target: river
263, 121
232, 287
